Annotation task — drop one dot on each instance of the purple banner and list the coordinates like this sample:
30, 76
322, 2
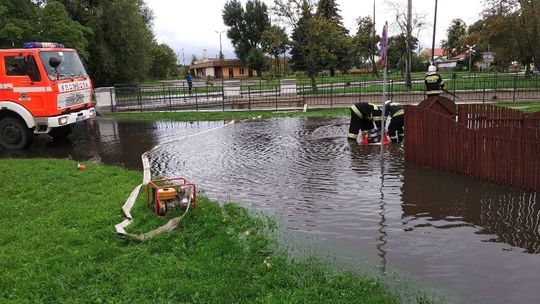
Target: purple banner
384, 44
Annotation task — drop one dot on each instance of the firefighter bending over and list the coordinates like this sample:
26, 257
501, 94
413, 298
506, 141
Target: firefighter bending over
434, 82
365, 117
395, 111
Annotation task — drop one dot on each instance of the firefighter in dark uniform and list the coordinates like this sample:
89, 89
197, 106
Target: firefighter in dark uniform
434, 82
364, 116
396, 129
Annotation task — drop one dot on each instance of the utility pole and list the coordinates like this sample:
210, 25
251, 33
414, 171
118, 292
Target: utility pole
434, 30
221, 68
408, 82
220, 47
183, 58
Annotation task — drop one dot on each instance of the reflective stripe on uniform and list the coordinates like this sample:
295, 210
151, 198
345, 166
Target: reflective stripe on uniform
376, 118
432, 78
355, 110
434, 92
400, 112
352, 135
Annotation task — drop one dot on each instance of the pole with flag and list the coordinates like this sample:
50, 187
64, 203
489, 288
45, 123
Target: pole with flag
384, 57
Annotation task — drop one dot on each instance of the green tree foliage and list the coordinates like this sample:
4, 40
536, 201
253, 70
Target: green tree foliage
329, 10
129, 40
274, 41
120, 47
18, 20
311, 41
455, 37
507, 30
289, 11
341, 48
397, 52
365, 42
256, 60
245, 26
163, 62
57, 26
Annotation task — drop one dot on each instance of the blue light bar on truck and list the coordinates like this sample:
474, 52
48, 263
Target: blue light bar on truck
35, 45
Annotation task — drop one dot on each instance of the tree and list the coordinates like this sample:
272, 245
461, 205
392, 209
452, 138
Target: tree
509, 29
56, 25
329, 9
122, 43
245, 26
274, 41
311, 39
120, 47
365, 42
18, 20
341, 47
163, 61
256, 60
455, 37
289, 11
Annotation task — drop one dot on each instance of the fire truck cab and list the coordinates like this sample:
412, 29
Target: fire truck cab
44, 89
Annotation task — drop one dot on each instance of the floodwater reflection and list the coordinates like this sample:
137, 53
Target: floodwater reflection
478, 240
444, 201
111, 142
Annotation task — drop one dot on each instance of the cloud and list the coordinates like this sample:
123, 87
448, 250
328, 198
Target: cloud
192, 25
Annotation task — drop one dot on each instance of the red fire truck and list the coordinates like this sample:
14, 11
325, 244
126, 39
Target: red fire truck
44, 89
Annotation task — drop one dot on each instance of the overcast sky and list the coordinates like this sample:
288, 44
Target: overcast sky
192, 25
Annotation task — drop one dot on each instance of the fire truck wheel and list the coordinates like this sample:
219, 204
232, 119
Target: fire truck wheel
14, 135
61, 132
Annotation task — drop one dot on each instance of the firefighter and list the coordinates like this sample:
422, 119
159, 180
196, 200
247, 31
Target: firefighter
396, 129
364, 116
434, 82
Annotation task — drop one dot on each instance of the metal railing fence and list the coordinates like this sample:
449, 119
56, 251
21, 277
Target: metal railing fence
326, 92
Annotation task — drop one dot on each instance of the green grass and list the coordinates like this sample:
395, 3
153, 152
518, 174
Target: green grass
58, 246
227, 115
525, 107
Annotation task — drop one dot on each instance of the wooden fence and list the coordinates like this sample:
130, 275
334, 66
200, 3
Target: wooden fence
484, 141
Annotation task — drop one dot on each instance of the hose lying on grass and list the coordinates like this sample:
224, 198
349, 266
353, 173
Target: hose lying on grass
130, 202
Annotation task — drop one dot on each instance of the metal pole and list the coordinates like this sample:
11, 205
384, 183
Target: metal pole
434, 30
221, 64
470, 57
383, 120
408, 82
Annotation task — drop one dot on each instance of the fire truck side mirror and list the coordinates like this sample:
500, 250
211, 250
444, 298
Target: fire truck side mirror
54, 62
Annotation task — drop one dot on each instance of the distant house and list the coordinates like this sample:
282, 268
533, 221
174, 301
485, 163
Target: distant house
232, 68
439, 54
440, 58
215, 68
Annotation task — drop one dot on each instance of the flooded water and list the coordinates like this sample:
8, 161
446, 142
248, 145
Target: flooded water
476, 241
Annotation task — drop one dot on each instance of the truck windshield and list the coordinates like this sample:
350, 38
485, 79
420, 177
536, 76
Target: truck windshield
70, 64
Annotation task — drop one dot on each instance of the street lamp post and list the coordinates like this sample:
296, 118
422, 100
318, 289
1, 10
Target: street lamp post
470, 51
